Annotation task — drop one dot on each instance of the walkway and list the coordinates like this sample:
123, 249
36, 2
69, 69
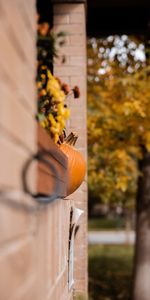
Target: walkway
111, 237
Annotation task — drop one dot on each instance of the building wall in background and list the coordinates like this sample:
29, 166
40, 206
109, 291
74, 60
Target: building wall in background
70, 18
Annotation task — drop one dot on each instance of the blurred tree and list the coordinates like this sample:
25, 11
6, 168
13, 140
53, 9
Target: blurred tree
119, 136
112, 80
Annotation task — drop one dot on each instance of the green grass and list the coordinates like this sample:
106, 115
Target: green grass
110, 269
106, 223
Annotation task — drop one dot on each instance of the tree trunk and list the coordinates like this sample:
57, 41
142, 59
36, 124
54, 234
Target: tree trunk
141, 278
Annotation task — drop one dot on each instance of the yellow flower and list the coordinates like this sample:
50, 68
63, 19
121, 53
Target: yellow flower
60, 109
61, 121
55, 124
44, 123
43, 76
49, 74
52, 120
54, 82
56, 138
57, 95
62, 95
43, 67
43, 92
55, 129
39, 84
54, 89
66, 113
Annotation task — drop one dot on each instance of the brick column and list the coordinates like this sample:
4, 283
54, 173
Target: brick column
71, 19
18, 263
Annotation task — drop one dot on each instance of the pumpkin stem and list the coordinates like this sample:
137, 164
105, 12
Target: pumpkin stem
71, 139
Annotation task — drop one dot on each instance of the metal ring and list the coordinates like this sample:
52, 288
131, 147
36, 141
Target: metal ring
41, 197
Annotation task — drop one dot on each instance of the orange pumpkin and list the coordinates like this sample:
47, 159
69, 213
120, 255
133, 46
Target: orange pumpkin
76, 163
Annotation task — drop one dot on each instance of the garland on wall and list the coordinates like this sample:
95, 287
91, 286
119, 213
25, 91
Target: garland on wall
53, 111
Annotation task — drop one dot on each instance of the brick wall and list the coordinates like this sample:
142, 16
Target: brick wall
18, 267
34, 238
71, 19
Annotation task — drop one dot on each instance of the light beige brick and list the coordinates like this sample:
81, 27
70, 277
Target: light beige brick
61, 19
28, 291
73, 50
77, 19
15, 219
12, 160
77, 40
81, 288
72, 29
21, 79
77, 61
68, 70
29, 18
65, 79
69, 8
80, 80
14, 21
19, 121
17, 265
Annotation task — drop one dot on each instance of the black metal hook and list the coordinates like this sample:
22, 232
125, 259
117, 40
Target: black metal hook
41, 197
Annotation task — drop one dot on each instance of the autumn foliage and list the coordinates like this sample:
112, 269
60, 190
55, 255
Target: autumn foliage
118, 116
